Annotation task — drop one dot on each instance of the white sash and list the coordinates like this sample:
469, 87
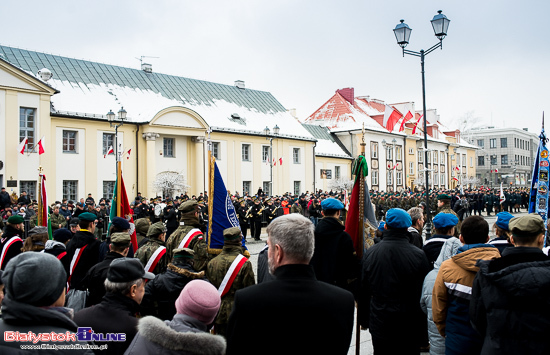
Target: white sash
153, 260
225, 282
187, 238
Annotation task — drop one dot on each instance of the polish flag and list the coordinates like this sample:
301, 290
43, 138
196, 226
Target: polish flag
496, 170
128, 152
280, 161
455, 179
457, 168
416, 125
391, 116
41, 145
22, 145
274, 162
111, 150
408, 116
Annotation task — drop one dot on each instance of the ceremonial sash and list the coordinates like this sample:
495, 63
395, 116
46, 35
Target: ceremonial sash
76, 257
189, 237
435, 240
61, 255
155, 258
231, 274
6, 247
500, 241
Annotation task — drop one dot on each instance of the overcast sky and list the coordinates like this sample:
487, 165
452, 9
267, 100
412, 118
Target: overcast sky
493, 66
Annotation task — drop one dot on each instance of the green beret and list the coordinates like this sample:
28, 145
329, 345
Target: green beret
87, 216
17, 219
188, 206
156, 229
526, 226
120, 238
443, 197
231, 233
184, 253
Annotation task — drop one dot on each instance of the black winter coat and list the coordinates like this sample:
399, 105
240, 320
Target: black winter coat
14, 248
90, 257
95, 278
391, 285
510, 305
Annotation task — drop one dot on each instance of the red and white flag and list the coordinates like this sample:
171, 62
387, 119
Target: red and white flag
391, 116
22, 145
496, 170
408, 116
457, 168
455, 179
416, 124
41, 145
128, 153
274, 162
111, 150
280, 161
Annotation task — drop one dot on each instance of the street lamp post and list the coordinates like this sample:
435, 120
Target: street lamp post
402, 31
267, 132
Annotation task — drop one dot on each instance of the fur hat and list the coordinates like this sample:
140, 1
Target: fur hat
200, 300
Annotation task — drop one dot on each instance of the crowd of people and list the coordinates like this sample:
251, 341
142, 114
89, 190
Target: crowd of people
457, 292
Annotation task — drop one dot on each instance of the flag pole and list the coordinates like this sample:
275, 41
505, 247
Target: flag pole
40, 207
362, 227
118, 189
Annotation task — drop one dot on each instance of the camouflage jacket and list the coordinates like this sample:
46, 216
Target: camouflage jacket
145, 252
198, 244
215, 273
57, 220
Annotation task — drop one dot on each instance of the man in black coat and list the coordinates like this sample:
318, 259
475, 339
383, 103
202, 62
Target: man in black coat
302, 314
12, 240
511, 294
393, 274
334, 259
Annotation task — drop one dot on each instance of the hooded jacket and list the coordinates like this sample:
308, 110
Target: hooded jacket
451, 298
182, 335
437, 342
510, 304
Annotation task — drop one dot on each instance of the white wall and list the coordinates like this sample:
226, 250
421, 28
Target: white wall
70, 166
28, 164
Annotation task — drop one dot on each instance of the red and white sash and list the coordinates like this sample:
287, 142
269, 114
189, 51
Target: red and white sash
76, 257
155, 258
61, 255
189, 237
231, 274
6, 247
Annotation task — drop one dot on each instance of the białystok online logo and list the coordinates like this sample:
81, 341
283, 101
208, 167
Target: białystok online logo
82, 334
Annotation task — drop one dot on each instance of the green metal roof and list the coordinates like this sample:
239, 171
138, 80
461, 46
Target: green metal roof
319, 132
185, 90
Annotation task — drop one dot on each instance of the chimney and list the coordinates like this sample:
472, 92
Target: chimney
292, 112
348, 94
239, 84
146, 67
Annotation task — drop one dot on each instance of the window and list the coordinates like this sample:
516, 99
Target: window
471, 162
411, 151
70, 190
108, 142
168, 147
504, 159
436, 157
266, 187
399, 178
398, 153
246, 186
296, 155
442, 158
436, 179
297, 187
265, 154
463, 159
245, 152
492, 143
108, 189
216, 150
389, 180
442, 180
420, 156
26, 126
411, 168
429, 158
69, 141
481, 143
30, 188
374, 150
493, 160
389, 153
336, 172
504, 142
481, 160
374, 177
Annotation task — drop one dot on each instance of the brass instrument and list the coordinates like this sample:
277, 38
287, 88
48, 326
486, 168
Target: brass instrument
260, 211
248, 213
275, 209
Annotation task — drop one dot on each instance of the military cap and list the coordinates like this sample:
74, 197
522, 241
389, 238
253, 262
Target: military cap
156, 229
120, 238
73, 221
120, 223
443, 197
126, 270
525, 226
184, 253
398, 218
87, 216
188, 206
332, 204
231, 233
17, 219
443, 220
503, 218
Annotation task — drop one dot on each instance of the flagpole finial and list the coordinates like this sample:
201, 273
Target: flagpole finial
40, 169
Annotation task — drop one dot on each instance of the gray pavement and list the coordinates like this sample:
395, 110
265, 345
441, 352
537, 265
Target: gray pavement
365, 344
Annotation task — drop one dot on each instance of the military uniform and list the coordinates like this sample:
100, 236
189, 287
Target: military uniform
197, 242
256, 221
57, 221
146, 254
217, 269
243, 221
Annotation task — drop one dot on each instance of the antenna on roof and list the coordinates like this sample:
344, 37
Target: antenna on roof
146, 67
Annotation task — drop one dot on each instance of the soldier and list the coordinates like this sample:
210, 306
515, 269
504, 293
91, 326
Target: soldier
57, 220
256, 219
444, 206
241, 212
142, 227
229, 271
188, 235
153, 253
270, 211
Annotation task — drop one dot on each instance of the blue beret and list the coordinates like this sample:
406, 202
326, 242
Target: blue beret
398, 218
503, 218
87, 216
381, 226
120, 223
443, 220
332, 204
